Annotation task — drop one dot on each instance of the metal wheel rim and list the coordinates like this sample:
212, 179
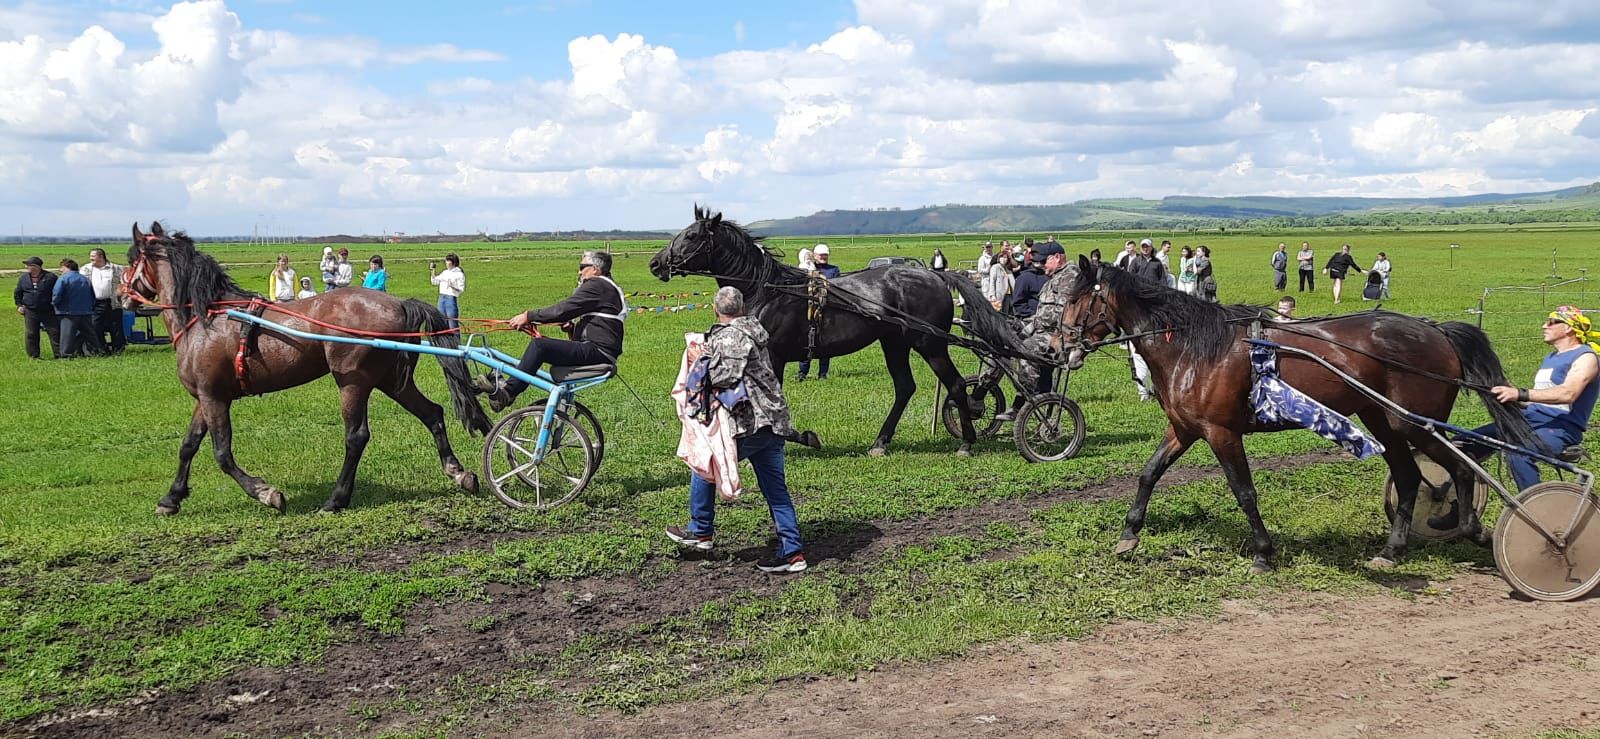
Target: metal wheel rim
1049, 420
515, 476
1529, 563
590, 423
984, 425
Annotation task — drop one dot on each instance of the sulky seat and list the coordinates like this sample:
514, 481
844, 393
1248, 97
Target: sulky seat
581, 372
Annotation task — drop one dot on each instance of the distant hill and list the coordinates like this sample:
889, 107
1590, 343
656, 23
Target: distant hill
1184, 211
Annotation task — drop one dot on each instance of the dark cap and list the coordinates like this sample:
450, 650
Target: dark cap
33, 262
1028, 241
1043, 251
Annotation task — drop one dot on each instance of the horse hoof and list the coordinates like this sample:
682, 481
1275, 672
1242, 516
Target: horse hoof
468, 482
330, 509
166, 510
964, 451
272, 498
876, 451
1125, 546
1260, 568
1381, 563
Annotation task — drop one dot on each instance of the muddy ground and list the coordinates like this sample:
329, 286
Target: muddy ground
1472, 658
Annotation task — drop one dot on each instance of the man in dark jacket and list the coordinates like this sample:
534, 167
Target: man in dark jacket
35, 288
1030, 281
593, 316
73, 300
1146, 266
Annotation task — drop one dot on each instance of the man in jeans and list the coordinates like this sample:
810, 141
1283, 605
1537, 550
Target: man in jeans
737, 348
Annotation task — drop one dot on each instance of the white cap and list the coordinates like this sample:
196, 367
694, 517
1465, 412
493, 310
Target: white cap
327, 250
820, 249
1146, 242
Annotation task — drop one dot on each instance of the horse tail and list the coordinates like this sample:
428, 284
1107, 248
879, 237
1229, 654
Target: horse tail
1481, 366
463, 396
989, 325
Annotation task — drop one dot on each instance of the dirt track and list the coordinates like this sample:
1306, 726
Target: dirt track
1335, 666
1469, 661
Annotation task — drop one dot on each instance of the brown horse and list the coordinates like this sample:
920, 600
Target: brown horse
1201, 369
192, 289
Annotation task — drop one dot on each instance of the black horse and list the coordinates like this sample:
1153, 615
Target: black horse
901, 308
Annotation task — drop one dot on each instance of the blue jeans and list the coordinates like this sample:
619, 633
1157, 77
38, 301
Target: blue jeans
822, 367
451, 309
1523, 469
765, 451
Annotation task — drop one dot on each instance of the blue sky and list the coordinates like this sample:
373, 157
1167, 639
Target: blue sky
365, 117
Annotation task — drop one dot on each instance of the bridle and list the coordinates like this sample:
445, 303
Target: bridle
144, 270
1096, 315
705, 240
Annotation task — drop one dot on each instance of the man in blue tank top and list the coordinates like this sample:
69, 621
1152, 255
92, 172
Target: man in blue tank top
1563, 393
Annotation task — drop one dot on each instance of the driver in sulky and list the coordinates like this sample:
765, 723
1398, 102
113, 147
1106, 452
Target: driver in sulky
593, 316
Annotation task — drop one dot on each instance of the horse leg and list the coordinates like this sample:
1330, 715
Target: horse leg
937, 356
1407, 478
432, 416
169, 505
220, 424
1229, 448
1172, 446
897, 355
353, 399
1466, 484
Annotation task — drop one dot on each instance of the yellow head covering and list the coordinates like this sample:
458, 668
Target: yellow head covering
1581, 326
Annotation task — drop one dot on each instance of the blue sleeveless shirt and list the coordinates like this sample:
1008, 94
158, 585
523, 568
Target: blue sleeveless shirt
1553, 372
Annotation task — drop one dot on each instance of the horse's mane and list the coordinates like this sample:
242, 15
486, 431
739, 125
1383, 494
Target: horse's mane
1206, 327
747, 258
199, 279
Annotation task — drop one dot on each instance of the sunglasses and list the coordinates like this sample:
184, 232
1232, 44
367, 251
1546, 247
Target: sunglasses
1548, 322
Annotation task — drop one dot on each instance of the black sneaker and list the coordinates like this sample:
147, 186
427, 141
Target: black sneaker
1006, 416
1447, 522
500, 398
487, 383
788, 565
684, 539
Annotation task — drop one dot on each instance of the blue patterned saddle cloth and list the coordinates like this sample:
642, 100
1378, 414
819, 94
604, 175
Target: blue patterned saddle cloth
1277, 403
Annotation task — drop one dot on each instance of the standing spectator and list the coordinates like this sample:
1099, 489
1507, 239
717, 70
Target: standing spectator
819, 255
343, 271
1145, 265
1308, 267
1128, 251
1339, 265
937, 262
281, 283
998, 280
1186, 280
1383, 267
736, 349
105, 277
330, 268
1029, 283
376, 277
452, 282
73, 299
1286, 307
305, 289
1280, 267
1164, 255
35, 290
985, 259
1205, 282
1094, 258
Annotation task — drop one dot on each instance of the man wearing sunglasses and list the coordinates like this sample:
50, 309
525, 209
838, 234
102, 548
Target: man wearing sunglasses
593, 316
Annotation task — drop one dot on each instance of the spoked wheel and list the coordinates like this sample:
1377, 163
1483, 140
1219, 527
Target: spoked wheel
990, 396
1049, 428
1534, 566
522, 475
1436, 497
590, 424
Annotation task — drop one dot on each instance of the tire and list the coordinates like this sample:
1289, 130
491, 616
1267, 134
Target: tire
558, 476
1529, 563
590, 424
1049, 428
991, 396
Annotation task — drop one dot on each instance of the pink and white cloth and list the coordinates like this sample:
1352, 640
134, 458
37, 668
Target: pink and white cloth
708, 448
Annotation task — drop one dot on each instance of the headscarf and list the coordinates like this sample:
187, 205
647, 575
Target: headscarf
1581, 326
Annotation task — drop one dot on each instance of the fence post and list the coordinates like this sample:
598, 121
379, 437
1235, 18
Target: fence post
1480, 308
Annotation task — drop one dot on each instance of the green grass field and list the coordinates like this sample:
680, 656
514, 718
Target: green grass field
101, 601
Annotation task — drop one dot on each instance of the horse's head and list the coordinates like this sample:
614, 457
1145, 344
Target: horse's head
692, 250
1087, 317
140, 283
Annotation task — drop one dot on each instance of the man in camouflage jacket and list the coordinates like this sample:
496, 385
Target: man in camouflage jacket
1045, 321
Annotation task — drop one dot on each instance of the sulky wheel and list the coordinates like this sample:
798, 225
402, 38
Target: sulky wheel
990, 396
591, 426
1534, 566
524, 475
1049, 428
1436, 497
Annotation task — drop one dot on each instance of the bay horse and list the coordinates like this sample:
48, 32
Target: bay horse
192, 289
1201, 369
900, 308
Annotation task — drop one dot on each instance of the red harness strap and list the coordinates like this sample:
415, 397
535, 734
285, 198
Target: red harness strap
246, 330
